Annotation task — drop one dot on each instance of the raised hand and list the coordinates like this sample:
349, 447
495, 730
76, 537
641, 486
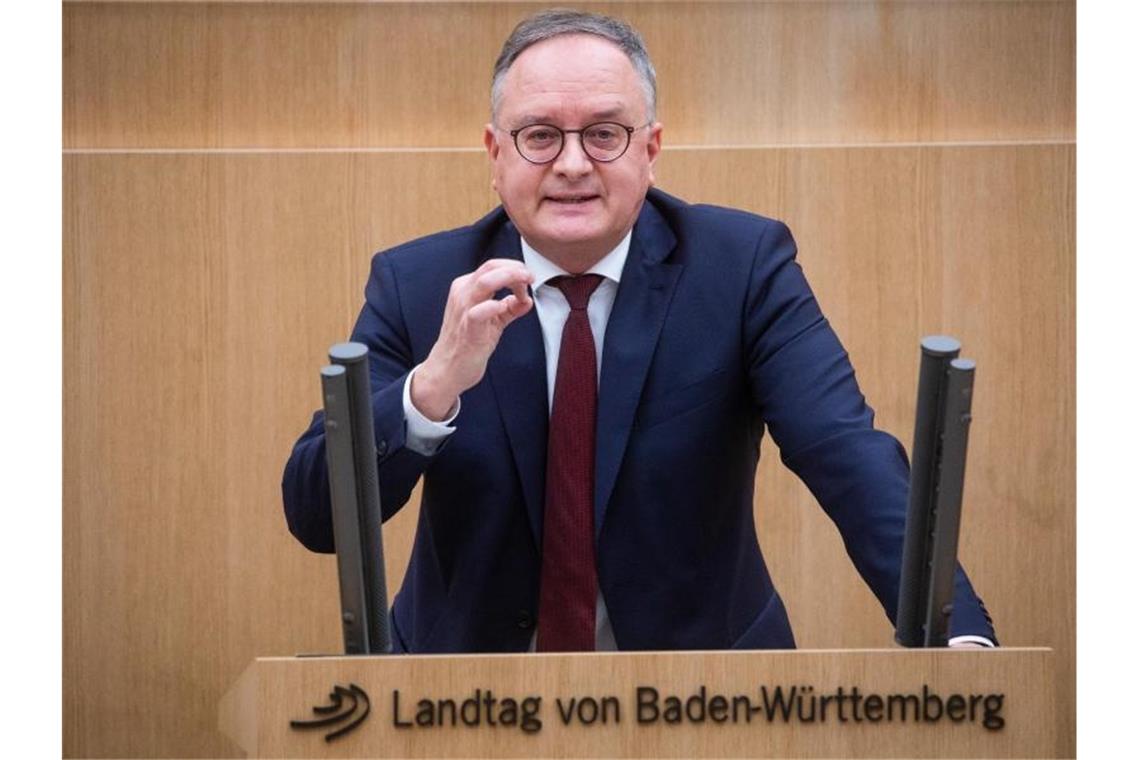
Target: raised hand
473, 322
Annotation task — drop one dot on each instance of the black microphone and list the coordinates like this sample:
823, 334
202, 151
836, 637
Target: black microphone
354, 487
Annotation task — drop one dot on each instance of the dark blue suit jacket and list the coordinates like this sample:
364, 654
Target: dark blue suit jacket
714, 336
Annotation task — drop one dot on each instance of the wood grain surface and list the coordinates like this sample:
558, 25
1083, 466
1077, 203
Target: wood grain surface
202, 290
200, 75
271, 692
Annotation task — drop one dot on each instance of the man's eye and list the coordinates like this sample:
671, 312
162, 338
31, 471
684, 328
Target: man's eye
602, 135
540, 136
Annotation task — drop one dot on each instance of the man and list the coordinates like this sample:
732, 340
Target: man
583, 377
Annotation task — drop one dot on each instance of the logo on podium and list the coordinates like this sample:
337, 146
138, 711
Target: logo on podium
347, 709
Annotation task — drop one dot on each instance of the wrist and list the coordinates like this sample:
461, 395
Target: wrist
432, 397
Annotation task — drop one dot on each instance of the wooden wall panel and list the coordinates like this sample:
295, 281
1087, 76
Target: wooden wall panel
202, 289
201, 295
416, 74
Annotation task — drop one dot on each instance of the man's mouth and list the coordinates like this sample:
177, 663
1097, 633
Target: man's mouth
571, 199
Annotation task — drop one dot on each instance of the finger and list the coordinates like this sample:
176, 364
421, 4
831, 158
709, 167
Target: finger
499, 313
462, 286
501, 265
515, 279
516, 307
490, 264
521, 290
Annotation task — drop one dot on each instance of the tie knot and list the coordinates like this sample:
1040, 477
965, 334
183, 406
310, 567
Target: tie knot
578, 289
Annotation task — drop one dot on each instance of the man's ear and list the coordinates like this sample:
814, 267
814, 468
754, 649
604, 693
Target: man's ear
492, 146
653, 147
489, 142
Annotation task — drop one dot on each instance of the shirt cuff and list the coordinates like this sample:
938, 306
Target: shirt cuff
970, 639
422, 435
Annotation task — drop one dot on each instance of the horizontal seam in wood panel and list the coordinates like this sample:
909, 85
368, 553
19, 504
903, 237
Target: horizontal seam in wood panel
667, 148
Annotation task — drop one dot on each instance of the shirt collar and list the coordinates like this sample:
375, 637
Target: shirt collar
544, 269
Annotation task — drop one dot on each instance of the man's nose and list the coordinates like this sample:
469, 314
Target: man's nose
573, 162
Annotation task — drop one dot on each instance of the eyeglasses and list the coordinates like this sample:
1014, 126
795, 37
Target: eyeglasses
604, 141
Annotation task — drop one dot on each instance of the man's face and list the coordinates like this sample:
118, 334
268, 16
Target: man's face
572, 210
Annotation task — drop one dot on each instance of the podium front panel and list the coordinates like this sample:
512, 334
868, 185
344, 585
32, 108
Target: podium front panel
863, 703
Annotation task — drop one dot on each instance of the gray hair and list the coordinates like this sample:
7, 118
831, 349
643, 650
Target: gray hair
559, 21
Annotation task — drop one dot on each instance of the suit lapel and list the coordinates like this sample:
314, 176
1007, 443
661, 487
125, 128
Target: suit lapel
517, 367
517, 370
643, 298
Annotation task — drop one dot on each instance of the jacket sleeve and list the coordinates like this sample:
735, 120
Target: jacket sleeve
806, 392
304, 485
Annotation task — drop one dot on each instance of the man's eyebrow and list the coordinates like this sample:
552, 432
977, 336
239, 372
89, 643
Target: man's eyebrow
527, 119
609, 113
606, 114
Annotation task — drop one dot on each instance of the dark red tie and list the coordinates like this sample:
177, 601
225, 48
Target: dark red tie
569, 584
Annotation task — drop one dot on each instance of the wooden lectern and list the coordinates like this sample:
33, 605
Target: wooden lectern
821, 703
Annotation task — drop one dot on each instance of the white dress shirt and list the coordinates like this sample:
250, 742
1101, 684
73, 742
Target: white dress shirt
425, 436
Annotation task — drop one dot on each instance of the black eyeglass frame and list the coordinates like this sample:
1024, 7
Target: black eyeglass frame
514, 133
